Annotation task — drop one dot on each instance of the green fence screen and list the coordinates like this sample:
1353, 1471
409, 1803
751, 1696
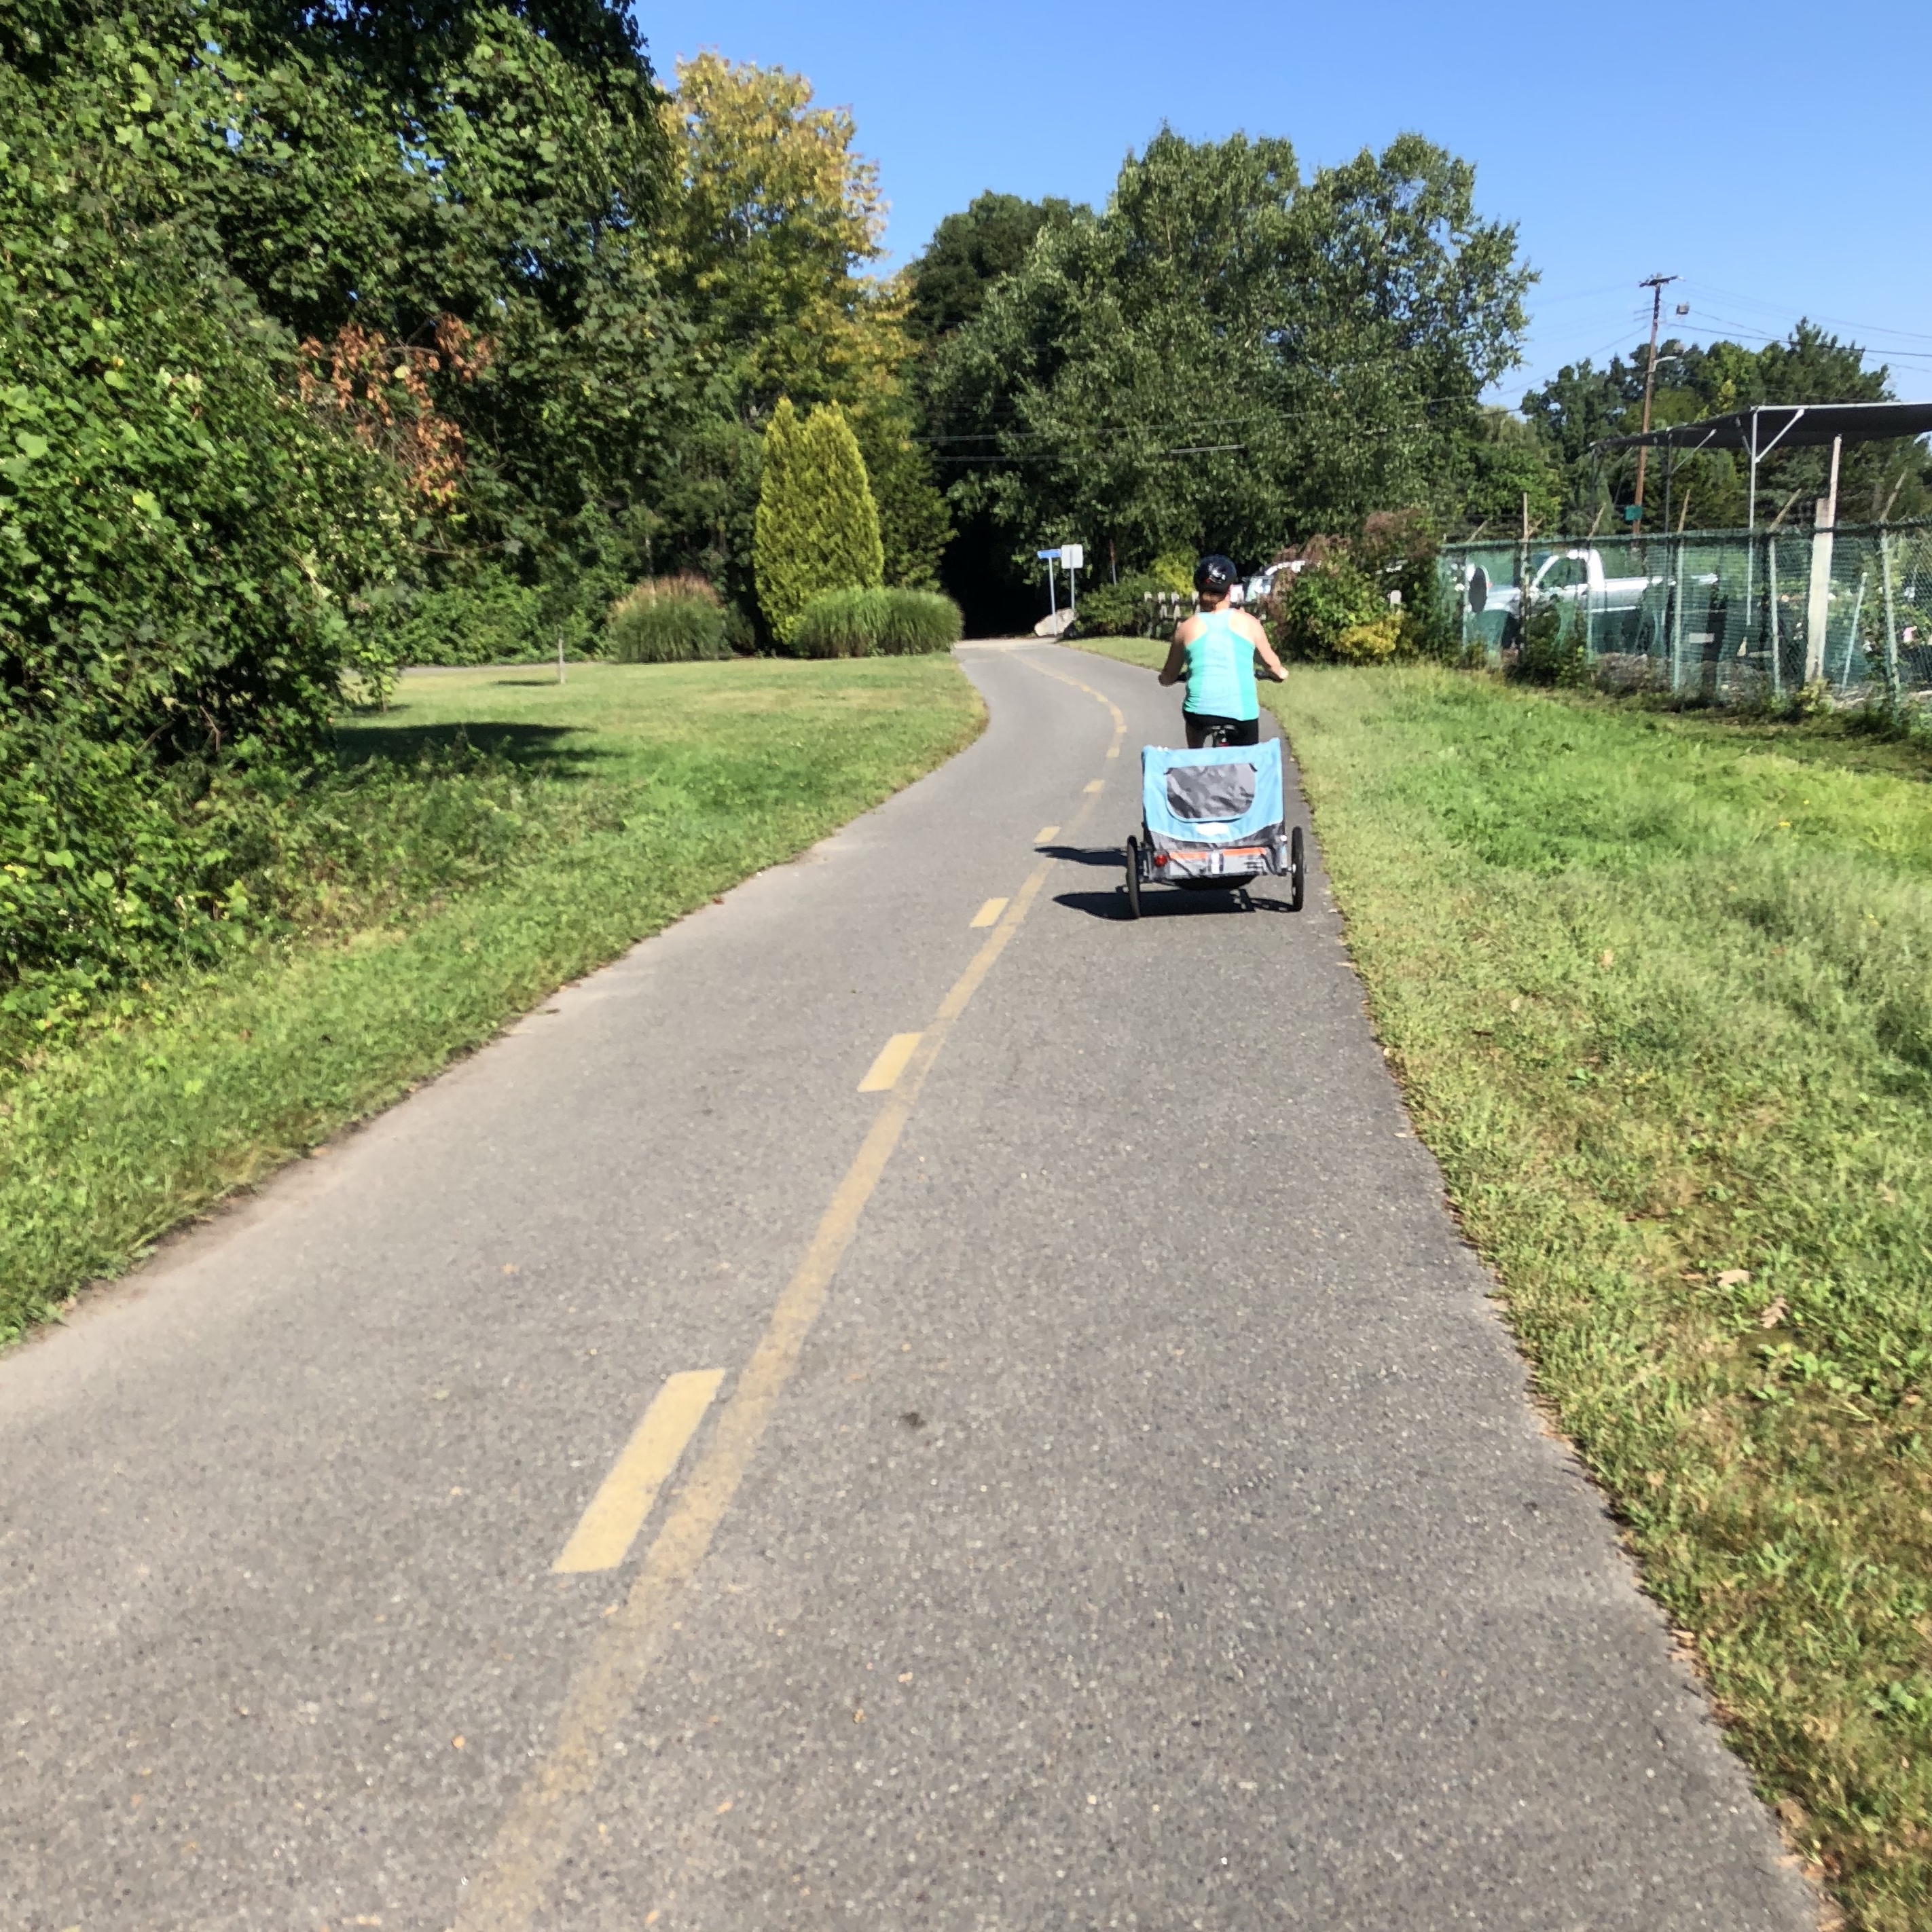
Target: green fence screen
1727, 615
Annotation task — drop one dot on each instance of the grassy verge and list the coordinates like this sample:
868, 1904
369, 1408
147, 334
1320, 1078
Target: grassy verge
1149, 652
581, 818
1659, 989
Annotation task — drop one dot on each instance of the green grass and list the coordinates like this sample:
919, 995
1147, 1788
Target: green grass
454, 888
1150, 652
1659, 987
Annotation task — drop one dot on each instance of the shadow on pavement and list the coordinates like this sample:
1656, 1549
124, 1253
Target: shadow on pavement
1110, 856
1159, 904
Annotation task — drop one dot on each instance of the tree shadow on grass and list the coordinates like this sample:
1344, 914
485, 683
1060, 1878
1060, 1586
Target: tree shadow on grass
537, 748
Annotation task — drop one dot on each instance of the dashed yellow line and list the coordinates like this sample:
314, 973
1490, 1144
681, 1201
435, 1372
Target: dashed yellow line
536, 1837
604, 1536
989, 912
1046, 832
1099, 784
886, 1070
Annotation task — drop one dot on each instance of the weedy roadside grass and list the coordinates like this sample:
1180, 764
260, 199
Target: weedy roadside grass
505, 835
1659, 988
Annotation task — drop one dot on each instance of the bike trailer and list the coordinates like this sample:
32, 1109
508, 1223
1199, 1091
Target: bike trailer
1212, 818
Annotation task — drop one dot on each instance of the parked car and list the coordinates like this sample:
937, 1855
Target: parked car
1261, 584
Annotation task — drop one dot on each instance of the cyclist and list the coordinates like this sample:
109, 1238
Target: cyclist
1214, 653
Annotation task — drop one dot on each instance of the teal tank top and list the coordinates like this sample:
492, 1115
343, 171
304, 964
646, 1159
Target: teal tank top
1221, 670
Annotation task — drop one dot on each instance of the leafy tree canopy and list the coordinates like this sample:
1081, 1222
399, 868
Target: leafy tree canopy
971, 251
1583, 404
768, 245
1228, 357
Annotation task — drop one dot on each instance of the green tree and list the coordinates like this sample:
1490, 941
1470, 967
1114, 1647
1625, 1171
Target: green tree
969, 252
768, 247
1582, 405
817, 526
183, 545
1508, 463
1228, 357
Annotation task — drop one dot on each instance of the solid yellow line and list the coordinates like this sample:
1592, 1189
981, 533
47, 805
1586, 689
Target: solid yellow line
885, 1070
604, 1536
990, 911
536, 1835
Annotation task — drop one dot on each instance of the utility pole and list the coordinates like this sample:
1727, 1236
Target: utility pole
1656, 284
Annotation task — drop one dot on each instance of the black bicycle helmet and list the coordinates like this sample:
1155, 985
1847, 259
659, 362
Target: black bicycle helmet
1216, 576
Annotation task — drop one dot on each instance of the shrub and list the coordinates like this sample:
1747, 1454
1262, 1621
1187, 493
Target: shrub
1333, 611
491, 619
668, 620
1173, 570
1550, 646
1113, 610
816, 527
1375, 642
877, 623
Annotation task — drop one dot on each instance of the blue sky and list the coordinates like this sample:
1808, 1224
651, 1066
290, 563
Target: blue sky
1775, 155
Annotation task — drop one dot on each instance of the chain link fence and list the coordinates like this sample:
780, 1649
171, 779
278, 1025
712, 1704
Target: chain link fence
1726, 616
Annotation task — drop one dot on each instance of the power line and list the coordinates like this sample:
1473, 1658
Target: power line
1784, 308
1255, 418
1067, 453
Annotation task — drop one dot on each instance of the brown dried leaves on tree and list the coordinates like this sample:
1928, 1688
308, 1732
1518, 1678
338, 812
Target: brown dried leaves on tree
382, 390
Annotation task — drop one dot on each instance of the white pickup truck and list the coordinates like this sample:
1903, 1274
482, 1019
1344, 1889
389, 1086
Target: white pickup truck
1564, 576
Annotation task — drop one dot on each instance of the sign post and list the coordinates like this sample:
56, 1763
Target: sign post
1073, 557
1050, 557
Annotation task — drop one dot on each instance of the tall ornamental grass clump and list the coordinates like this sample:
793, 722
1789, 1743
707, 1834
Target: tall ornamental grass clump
669, 620
877, 623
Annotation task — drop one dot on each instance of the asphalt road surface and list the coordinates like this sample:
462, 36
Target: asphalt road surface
1078, 1481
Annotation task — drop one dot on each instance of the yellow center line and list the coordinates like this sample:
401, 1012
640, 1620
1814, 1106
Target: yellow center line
1099, 784
990, 911
604, 1536
885, 1071
1046, 832
1060, 677
537, 1831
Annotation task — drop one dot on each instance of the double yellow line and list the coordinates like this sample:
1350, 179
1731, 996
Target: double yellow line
536, 1836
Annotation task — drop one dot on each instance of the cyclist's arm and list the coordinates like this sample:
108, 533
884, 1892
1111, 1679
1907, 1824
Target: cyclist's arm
1271, 665
1174, 671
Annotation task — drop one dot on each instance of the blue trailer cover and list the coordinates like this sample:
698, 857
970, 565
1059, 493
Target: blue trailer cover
1226, 797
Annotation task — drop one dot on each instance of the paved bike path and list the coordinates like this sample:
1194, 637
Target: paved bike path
1119, 1505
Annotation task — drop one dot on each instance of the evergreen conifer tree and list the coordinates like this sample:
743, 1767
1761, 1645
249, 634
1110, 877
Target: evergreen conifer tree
817, 526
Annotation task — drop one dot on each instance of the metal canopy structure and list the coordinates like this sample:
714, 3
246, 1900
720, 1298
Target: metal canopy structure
1771, 426
1789, 425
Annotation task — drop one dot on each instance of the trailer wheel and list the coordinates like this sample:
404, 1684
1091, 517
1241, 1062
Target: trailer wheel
1297, 869
1133, 878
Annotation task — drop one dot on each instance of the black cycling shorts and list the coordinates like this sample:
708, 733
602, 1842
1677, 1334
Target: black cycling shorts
1240, 731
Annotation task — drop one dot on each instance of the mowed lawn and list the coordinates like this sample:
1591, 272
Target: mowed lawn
491, 837
1659, 988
